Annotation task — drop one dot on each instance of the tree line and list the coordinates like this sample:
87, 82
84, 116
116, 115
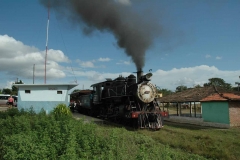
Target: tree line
219, 82
13, 91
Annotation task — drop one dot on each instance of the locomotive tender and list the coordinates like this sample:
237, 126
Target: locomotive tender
126, 100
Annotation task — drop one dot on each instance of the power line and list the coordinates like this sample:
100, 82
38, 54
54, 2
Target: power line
66, 50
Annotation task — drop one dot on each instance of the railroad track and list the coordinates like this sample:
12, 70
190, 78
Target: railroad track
102, 121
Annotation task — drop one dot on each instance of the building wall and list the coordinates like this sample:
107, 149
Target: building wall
43, 93
234, 113
42, 97
215, 112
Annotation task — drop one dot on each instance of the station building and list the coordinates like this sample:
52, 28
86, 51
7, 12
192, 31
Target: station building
43, 96
206, 106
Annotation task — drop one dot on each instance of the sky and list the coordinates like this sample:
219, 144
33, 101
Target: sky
182, 42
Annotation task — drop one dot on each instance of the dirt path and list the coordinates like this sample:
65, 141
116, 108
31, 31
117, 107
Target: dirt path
87, 118
3, 108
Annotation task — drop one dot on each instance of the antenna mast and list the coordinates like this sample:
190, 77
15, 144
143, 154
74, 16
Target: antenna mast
46, 48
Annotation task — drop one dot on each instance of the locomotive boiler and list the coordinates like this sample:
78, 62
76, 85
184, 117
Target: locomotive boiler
127, 100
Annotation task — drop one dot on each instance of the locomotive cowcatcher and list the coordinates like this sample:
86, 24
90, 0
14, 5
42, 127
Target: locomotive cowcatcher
127, 100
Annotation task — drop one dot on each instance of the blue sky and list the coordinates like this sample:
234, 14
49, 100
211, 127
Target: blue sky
198, 40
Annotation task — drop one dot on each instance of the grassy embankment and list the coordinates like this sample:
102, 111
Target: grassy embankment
211, 143
26, 135
208, 142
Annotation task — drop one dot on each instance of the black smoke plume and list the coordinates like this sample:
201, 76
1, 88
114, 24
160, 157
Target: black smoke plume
133, 34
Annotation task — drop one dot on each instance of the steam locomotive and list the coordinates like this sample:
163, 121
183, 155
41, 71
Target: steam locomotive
127, 100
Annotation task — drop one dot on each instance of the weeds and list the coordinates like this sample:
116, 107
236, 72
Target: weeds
26, 135
210, 143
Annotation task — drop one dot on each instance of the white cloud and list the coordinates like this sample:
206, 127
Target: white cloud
53, 73
104, 59
208, 56
56, 55
86, 64
124, 2
9, 47
218, 58
169, 79
91, 63
17, 60
9, 84
191, 76
123, 62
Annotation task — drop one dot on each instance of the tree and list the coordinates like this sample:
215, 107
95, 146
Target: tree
6, 91
181, 88
197, 86
219, 82
15, 89
164, 91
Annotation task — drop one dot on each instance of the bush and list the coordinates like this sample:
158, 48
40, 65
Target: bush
41, 136
61, 111
9, 113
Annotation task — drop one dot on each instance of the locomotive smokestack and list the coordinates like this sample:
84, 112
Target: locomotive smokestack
133, 32
139, 75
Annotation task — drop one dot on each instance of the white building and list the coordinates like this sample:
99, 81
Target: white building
43, 96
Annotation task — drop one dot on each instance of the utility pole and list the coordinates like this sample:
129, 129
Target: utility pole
33, 72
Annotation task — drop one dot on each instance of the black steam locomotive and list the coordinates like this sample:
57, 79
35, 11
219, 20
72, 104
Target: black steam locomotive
123, 100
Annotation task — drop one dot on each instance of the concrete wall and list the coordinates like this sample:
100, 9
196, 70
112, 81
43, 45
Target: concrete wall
216, 112
39, 105
42, 97
234, 113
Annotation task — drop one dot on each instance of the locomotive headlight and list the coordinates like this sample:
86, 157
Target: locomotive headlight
146, 92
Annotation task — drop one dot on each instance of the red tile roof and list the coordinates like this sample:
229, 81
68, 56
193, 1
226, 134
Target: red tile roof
231, 96
221, 97
210, 93
213, 97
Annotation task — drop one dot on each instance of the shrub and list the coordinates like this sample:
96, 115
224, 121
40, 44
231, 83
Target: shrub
61, 111
42, 136
9, 113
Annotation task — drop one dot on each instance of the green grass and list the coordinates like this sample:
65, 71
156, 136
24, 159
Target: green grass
208, 142
26, 135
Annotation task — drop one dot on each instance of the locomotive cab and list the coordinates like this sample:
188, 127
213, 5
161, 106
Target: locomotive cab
98, 92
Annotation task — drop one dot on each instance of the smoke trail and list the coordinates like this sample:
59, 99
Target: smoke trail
133, 34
